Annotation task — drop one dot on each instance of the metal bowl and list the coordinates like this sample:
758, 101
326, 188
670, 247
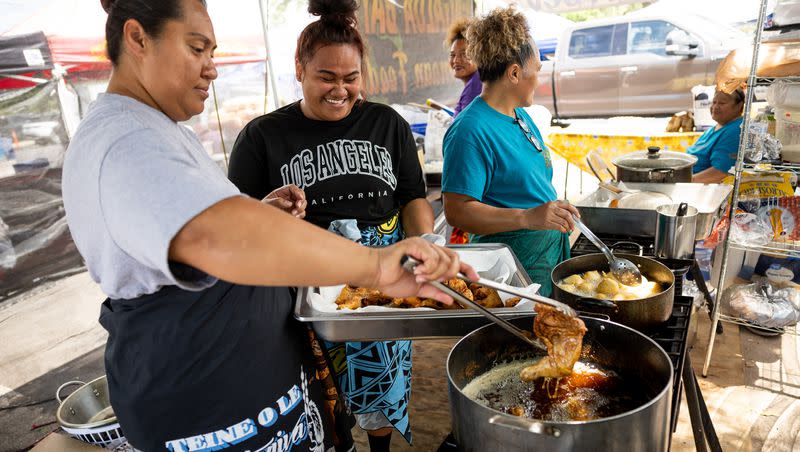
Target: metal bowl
88, 407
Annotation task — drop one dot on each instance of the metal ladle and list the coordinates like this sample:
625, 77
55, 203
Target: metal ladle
624, 270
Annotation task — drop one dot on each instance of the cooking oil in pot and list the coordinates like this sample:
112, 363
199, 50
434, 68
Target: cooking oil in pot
591, 392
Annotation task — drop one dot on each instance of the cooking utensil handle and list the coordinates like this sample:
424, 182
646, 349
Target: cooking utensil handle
593, 238
508, 326
514, 291
611, 188
69, 383
597, 303
409, 263
519, 423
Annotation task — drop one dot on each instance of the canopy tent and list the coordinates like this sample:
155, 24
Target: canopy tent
77, 44
560, 6
724, 11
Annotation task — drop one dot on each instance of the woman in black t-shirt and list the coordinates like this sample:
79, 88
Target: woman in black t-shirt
357, 164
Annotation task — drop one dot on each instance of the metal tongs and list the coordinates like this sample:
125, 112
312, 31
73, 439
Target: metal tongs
409, 263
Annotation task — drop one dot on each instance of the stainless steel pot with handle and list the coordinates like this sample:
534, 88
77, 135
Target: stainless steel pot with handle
655, 165
644, 429
86, 414
675, 231
640, 313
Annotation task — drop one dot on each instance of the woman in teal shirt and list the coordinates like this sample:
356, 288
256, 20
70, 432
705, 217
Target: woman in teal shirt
497, 174
716, 149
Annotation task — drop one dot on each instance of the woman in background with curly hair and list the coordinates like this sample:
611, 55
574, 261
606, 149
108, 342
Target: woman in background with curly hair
463, 68
497, 178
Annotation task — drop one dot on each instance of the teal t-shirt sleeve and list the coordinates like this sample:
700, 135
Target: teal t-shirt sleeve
723, 154
467, 167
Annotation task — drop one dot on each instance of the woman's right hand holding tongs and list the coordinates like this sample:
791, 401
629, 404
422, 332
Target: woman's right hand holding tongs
436, 264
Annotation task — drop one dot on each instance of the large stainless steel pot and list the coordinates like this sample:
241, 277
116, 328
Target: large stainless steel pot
655, 165
479, 428
641, 313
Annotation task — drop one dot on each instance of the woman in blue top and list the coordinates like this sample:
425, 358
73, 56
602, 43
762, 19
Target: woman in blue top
497, 174
716, 149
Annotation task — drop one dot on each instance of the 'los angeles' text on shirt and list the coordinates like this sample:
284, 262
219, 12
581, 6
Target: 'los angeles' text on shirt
339, 158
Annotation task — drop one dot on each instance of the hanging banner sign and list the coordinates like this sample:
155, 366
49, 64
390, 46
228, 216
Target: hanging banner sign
406, 57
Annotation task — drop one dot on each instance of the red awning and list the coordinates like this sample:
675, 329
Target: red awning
75, 34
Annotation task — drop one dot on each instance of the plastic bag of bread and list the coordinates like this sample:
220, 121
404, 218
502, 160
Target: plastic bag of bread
681, 122
763, 305
775, 59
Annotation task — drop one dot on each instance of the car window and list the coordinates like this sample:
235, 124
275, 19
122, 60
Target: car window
650, 36
591, 42
619, 45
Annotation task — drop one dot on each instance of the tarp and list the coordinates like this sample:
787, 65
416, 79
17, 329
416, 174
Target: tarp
75, 34
24, 54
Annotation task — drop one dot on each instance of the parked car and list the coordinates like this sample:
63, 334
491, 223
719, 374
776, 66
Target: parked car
633, 65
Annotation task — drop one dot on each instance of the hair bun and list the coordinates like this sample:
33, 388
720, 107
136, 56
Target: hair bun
332, 8
107, 4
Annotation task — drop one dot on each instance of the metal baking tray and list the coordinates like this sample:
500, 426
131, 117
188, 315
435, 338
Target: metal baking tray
709, 200
404, 324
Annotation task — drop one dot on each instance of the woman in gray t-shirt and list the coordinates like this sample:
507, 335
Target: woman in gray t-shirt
202, 353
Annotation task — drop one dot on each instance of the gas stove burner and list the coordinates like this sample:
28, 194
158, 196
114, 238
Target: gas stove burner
641, 246
628, 247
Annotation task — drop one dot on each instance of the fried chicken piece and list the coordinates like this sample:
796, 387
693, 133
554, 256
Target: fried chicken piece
357, 297
376, 299
511, 302
516, 411
408, 302
488, 298
461, 287
431, 303
563, 336
352, 303
350, 297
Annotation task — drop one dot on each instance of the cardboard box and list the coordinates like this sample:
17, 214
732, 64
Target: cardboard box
60, 442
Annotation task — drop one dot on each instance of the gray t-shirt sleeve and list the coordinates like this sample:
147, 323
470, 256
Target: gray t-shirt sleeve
148, 192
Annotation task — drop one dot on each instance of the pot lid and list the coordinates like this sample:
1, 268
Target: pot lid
654, 158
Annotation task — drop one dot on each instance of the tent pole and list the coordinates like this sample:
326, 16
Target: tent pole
270, 75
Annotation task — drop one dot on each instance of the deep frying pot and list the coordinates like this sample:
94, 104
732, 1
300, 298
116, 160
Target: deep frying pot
640, 313
616, 347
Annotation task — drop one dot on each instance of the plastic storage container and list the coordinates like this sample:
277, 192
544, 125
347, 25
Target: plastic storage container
787, 130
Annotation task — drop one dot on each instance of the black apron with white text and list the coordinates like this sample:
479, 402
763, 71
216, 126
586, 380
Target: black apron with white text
223, 368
